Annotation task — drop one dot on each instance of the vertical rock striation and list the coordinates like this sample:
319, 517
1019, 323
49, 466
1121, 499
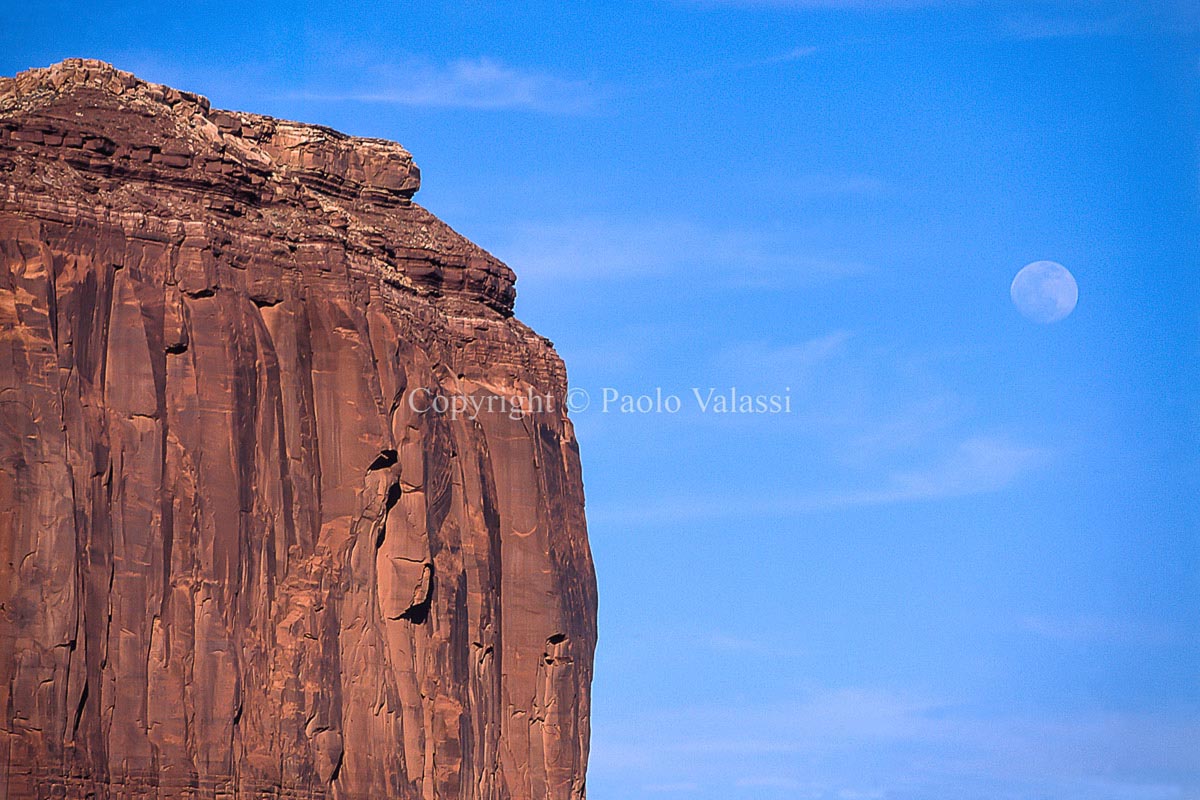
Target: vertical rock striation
238, 555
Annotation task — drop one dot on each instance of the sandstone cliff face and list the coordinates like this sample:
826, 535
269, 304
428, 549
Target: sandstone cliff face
235, 559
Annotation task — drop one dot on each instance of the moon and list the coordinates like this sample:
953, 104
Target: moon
1045, 292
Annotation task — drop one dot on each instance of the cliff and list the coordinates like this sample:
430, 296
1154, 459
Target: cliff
240, 555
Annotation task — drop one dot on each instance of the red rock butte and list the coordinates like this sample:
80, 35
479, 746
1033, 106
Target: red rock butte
236, 560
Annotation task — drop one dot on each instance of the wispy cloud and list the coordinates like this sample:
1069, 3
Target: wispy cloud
909, 423
1094, 628
824, 186
876, 424
1072, 27
1063, 19
769, 782
603, 248
786, 57
848, 5
718, 68
977, 465
685, 787
1081, 19
474, 83
725, 643
759, 359
795, 54
815, 745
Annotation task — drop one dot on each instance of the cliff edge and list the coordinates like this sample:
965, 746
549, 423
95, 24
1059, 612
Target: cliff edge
245, 548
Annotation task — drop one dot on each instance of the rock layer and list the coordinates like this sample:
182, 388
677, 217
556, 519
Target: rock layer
238, 555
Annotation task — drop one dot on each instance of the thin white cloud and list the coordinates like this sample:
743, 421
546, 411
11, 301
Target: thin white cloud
479, 83
759, 360
795, 54
909, 423
725, 643
815, 745
772, 782
878, 424
824, 186
1062, 19
977, 465
599, 248
786, 57
1089, 20
1031, 27
834, 5
672, 788
1094, 628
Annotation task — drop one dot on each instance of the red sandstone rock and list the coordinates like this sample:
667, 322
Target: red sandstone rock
234, 561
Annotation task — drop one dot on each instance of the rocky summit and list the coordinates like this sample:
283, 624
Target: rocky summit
244, 550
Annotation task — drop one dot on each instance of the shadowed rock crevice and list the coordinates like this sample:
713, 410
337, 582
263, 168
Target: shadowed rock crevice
277, 578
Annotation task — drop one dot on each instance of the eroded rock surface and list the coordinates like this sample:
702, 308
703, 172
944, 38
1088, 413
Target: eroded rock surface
234, 560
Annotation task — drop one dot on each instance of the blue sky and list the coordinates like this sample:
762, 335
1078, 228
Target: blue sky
966, 564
